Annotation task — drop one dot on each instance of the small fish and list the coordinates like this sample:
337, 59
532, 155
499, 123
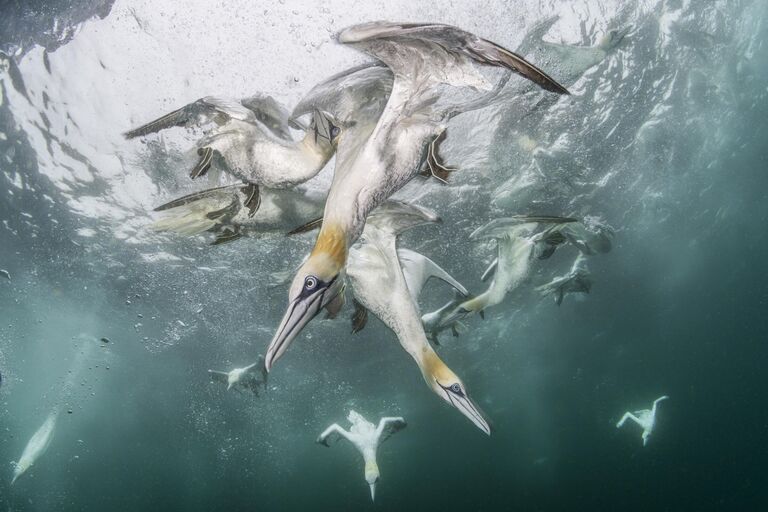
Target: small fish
5, 274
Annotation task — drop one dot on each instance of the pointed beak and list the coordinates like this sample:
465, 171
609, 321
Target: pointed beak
322, 128
300, 311
373, 491
468, 408
229, 386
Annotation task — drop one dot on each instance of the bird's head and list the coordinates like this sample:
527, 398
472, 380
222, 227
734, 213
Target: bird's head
325, 128
372, 477
318, 283
448, 386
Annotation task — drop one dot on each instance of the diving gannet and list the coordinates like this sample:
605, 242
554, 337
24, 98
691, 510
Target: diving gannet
366, 437
577, 280
379, 285
259, 153
443, 319
36, 446
222, 211
516, 246
573, 60
249, 377
645, 418
424, 58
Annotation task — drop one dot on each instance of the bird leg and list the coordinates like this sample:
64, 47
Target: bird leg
253, 198
359, 317
434, 166
206, 155
228, 235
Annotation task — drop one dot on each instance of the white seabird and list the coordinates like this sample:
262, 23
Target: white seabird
252, 142
379, 285
366, 437
424, 58
250, 377
36, 446
222, 211
577, 280
645, 418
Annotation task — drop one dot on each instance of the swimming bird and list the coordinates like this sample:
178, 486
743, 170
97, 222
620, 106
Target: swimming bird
577, 280
443, 319
645, 418
590, 236
249, 377
517, 245
424, 58
252, 142
222, 211
366, 438
36, 446
379, 285
573, 60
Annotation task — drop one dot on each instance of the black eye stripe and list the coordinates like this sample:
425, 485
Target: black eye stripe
319, 285
454, 388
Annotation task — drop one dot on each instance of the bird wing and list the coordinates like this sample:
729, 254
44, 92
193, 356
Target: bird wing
218, 376
388, 426
442, 51
222, 196
355, 93
198, 112
332, 435
490, 270
418, 269
394, 217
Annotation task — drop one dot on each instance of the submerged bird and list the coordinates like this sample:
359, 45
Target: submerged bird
252, 142
588, 236
249, 377
380, 286
36, 446
366, 437
517, 246
222, 211
572, 60
577, 280
424, 58
355, 97
645, 418
443, 319
5, 274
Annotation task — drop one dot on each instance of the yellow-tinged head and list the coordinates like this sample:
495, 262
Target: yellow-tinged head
318, 283
372, 476
448, 386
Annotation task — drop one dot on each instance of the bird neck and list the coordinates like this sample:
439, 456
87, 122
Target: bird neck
332, 244
432, 367
316, 153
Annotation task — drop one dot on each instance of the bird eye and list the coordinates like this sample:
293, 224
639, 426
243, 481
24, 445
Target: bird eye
310, 283
335, 131
455, 388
